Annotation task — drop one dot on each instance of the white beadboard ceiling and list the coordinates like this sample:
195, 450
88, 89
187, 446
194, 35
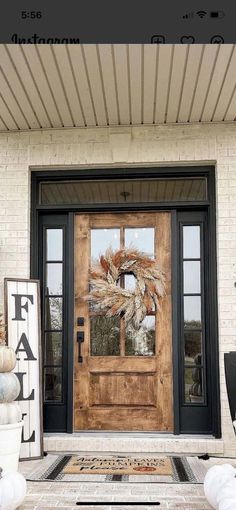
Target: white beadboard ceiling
105, 192
55, 86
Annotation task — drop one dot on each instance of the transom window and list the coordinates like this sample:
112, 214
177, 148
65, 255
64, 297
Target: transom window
123, 191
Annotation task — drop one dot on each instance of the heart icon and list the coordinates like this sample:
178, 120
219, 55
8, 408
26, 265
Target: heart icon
187, 39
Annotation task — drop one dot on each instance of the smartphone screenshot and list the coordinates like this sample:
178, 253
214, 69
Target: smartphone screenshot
117, 255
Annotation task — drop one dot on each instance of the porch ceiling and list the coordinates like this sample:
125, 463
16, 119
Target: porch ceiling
54, 86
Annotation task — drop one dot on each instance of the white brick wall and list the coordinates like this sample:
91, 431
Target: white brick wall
114, 147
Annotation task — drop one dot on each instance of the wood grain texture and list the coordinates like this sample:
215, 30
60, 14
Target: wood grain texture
164, 322
125, 364
122, 389
119, 418
81, 373
123, 392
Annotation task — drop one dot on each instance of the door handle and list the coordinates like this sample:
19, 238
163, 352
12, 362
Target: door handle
80, 340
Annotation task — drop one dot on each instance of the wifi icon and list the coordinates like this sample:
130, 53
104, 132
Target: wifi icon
201, 14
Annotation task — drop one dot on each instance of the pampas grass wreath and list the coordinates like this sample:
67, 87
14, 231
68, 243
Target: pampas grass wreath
109, 297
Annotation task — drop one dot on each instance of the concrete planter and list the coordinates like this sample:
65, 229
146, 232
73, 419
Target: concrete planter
10, 442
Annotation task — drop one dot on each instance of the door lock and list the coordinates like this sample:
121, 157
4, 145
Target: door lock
80, 321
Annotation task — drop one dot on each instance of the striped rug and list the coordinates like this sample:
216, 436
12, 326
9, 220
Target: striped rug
122, 468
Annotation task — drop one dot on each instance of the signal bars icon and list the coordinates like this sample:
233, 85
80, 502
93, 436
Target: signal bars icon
189, 15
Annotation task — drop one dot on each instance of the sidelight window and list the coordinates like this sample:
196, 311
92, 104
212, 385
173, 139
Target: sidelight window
53, 314
193, 315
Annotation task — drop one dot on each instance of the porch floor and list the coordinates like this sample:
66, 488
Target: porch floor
63, 495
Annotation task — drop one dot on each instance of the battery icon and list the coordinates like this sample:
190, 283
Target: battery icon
217, 14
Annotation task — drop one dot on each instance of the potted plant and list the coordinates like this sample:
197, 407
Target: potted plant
10, 415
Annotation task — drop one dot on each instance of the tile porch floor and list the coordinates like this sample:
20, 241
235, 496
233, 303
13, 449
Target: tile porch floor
61, 495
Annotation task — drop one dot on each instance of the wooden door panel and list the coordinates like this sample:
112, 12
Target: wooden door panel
122, 389
134, 219
123, 392
119, 418
113, 364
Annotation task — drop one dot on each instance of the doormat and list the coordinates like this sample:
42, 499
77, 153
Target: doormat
110, 468
118, 465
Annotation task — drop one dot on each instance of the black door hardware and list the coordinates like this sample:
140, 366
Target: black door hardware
80, 340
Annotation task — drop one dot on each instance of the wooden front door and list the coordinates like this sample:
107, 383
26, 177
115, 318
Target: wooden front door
122, 381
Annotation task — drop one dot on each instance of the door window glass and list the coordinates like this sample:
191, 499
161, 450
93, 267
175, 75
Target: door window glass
53, 314
192, 345
191, 242
105, 336
141, 342
141, 239
54, 278
193, 317
53, 348
104, 331
101, 240
52, 384
194, 384
192, 277
54, 244
192, 311
110, 336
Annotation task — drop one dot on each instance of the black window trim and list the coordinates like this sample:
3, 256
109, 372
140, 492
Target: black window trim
208, 171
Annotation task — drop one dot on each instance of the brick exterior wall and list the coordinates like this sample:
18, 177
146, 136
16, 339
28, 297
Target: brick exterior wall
21, 153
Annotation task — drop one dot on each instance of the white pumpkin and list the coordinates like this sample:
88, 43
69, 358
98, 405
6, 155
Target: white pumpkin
215, 479
7, 359
10, 413
226, 498
9, 387
12, 491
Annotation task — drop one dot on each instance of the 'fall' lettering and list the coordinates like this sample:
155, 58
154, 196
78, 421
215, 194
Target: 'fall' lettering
31, 439
21, 397
26, 348
19, 306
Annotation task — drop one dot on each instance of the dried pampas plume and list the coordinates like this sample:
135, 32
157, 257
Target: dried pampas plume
107, 295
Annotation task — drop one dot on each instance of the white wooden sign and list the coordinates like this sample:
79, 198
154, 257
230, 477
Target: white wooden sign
22, 303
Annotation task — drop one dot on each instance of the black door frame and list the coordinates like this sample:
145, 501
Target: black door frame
208, 205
